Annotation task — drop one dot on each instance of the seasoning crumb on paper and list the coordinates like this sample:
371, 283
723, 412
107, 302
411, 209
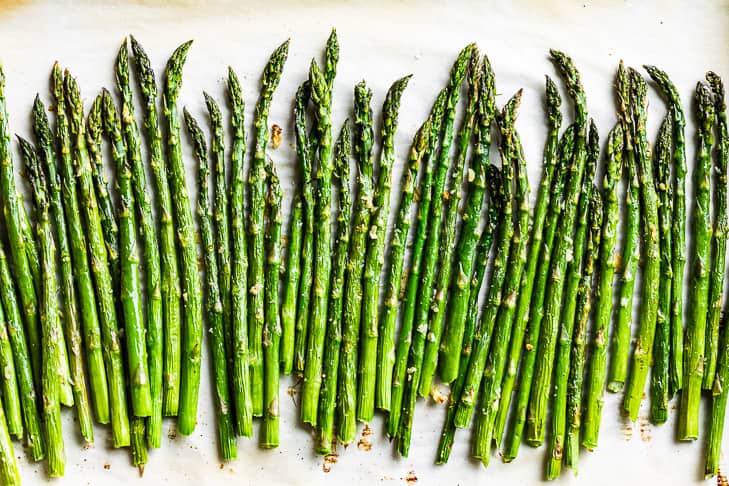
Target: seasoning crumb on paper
438, 395
645, 429
411, 478
107, 466
721, 479
628, 430
276, 135
329, 461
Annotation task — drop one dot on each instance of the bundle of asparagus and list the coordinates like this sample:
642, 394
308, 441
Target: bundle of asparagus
519, 350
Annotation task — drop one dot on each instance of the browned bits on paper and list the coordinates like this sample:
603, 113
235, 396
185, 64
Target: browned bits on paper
107, 466
721, 479
276, 135
645, 429
411, 478
628, 430
438, 395
367, 431
329, 460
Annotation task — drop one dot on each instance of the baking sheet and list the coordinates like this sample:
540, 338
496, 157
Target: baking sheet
379, 43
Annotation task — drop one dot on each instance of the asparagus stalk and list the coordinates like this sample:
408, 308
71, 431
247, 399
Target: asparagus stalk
409, 293
575, 268
388, 319
451, 200
719, 395
503, 274
719, 233
191, 294
130, 292
429, 257
321, 95
328, 392
62, 183
352, 299
22, 361
571, 422
631, 247
483, 250
150, 246
13, 211
71, 324
304, 150
239, 267
608, 264
493, 373
375, 255
643, 353
678, 228
50, 323
169, 281
221, 223
549, 164
662, 344
109, 225
9, 474
603, 299
294, 238
461, 288
100, 269
577, 196
697, 305
11, 400
565, 155
213, 302
138, 447
255, 229
272, 330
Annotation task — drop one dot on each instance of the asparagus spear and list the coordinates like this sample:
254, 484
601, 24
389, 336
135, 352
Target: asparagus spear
662, 344
272, 330
305, 155
630, 251
719, 234
321, 95
493, 373
597, 374
719, 395
130, 292
71, 324
483, 250
255, 229
99, 268
213, 301
11, 400
581, 252
294, 238
192, 309
221, 222
697, 305
9, 474
643, 353
565, 155
352, 299
678, 228
408, 293
62, 183
450, 201
375, 255
107, 214
50, 323
461, 288
549, 178
428, 262
12, 210
21, 358
169, 281
150, 245
239, 267
571, 448
328, 393
63, 377
503, 274
577, 196
388, 319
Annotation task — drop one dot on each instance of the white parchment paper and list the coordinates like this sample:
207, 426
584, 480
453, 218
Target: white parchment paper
379, 42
